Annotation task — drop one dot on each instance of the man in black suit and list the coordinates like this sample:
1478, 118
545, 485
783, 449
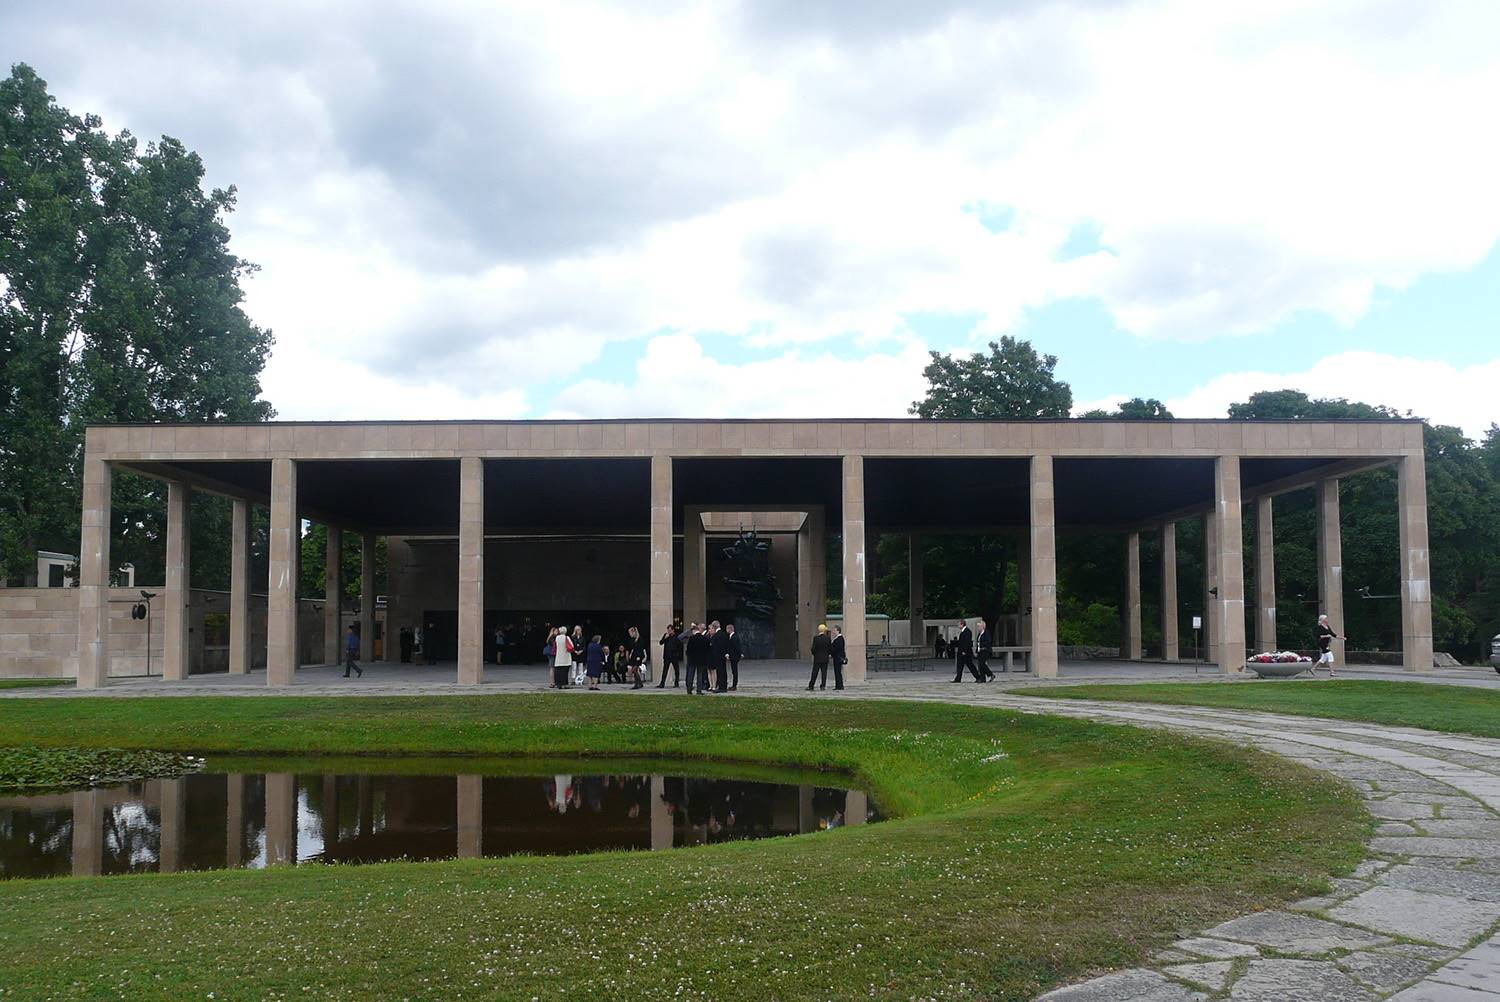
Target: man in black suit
986, 650
838, 654
699, 653
822, 647
734, 657
671, 656
965, 658
719, 655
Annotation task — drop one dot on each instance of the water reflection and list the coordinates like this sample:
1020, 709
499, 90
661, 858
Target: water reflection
217, 820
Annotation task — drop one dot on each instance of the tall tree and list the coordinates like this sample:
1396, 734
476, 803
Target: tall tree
119, 301
1011, 381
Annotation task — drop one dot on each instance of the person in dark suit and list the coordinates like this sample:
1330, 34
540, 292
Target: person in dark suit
635, 657
408, 641
965, 658
735, 654
671, 656
837, 655
719, 655
822, 649
985, 651
940, 648
699, 652
351, 651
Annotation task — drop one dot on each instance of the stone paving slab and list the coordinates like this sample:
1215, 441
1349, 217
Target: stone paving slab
1280, 980
1475, 885
1288, 932
1125, 986
1213, 975
1433, 918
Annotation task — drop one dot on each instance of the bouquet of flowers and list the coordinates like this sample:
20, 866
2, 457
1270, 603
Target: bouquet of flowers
1279, 657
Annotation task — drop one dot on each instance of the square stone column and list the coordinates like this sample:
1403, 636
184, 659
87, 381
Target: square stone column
917, 635
367, 598
854, 567
1331, 563
397, 555
1133, 643
1023, 585
281, 593
694, 568
471, 571
1230, 618
660, 594
239, 589
176, 644
1043, 569
333, 597
281, 818
93, 575
1210, 634
1416, 583
1265, 576
470, 816
1169, 643
812, 578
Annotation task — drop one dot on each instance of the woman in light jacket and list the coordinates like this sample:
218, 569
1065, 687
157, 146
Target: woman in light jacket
562, 659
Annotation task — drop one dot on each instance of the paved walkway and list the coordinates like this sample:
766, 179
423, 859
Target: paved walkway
1418, 921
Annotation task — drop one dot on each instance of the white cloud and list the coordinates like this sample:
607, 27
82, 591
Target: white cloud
1442, 393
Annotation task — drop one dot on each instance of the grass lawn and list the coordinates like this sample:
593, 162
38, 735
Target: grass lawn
1459, 709
1023, 851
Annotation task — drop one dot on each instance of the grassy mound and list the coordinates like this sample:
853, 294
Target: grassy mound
1023, 851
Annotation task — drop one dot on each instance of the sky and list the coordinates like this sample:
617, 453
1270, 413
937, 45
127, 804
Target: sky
776, 208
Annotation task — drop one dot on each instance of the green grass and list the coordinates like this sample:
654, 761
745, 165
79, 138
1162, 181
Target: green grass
31, 769
1457, 709
1084, 846
28, 683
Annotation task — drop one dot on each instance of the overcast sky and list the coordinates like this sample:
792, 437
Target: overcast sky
776, 208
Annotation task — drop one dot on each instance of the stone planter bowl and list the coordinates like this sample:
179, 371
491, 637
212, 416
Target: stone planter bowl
1279, 669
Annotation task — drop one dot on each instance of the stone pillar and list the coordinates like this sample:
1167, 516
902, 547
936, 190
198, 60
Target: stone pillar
176, 644
1265, 576
281, 594
281, 818
784, 566
694, 567
470, 816
234, 820
173, 826
661, 818
88, 833
1230, 618
807, 821
660, 597
93, 576
856, 807
239, 589
1331, 563
397, 553
917, 635
333, 597
367, 598
471, 571
1133, 643
854, 567
1169, 641
1210, 586
1023, 585
812, 579
1043, 569
1416, 584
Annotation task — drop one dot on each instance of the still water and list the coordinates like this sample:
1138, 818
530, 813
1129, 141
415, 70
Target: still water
254, 819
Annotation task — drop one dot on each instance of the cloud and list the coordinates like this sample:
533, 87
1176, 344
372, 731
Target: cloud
1442, 393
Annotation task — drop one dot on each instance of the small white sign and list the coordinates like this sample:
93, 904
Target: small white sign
1197, 622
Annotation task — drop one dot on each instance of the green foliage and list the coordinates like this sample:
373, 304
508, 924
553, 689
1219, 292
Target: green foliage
1012, 381
35, 769
119, 301
315, 562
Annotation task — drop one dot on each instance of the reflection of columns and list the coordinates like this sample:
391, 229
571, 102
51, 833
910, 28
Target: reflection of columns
661, 818
1169, 649
367, 597
854, 567
1210, 585
281, 818
330, 813
917, 635
806, 821
660, 597
1231, 564
1133, 596
1330, 562
333, 597
172, 824
88, 834
470, 816
176, 644
1043, 569
93, 576
471, 571
856, 807
366, 806
234, 820
1023, 585
1265, 576
694, 568
281, 596
239, 589
1416, 586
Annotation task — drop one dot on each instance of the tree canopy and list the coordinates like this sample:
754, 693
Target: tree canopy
1011, 381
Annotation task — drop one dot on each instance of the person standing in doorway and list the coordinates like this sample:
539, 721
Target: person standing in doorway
429, 643
407, 642
735, 653
838, 655
671, 656
351, 651
699, 653
984, 650
964, 645
822, 649
594, 662
1326, 636
719, 656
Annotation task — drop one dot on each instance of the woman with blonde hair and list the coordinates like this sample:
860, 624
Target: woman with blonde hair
562, 659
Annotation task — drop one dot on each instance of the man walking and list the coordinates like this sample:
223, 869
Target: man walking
719, 656
822, 648
1325, 653
351, 651
965, 656
671, 657
734, 657
699, 652
986, 650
